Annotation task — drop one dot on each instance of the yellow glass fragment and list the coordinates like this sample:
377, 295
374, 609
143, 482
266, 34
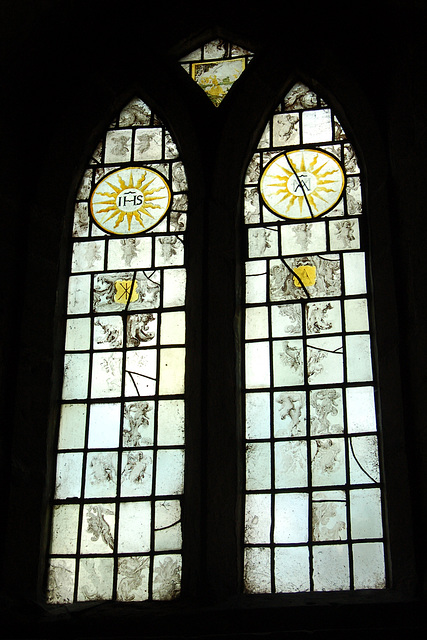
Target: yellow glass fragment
123, 290
216, 78
306, 275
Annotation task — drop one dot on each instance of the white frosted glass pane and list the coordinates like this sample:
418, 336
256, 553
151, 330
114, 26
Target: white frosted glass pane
141, 330
291, 517
179, 180
104, 425
290, 464
325, 360
326, 411
359, 361
329, 517
169, 251
356, 315
251, 205
140, 372
257, 415
316, 126
101, 474
286, 129
95, 579
78, 300
323, 317
88, 256
172, 327
354, 273
256, 281
328, 461
77, 334
167, 577
68, 475
258, 518
137, 473
292, 570
170, 472
344, 234
262, 242
286, 320
174, 281
136, 112
303, 238
364, 463
98, 528
72, 426
60, 588
360, 409
108, 332
134, 527
365, 510
331, 568
106, 375
256, 324
64, 528
258, 466
257, 570
172, 370
257, 365
148, 144
368, 565
118, 145
132, 578
129, 253
288, 362
354, 196
289, 414
138, 423
167, 525
171, 422
76, 372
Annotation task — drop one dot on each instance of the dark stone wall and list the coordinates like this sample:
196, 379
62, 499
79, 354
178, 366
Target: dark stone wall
65, 69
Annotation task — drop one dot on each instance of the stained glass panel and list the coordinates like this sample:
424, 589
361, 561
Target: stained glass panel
116, 523
313, 512
216, 66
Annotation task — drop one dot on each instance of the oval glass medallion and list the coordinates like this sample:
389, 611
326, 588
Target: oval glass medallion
304, 183
130, 200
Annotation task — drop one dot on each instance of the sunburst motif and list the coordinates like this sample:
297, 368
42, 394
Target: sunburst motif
130, 200
302, 184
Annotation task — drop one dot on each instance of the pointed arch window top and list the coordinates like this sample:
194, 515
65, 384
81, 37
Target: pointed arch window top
216, 66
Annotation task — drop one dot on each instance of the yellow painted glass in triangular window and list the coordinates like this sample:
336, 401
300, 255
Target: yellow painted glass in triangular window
216, 66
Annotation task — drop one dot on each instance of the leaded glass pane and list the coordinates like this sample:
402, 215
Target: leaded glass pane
116, 520
216, 66
313, 515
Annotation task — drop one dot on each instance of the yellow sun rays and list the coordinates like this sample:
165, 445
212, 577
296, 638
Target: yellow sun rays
302, 183
133, 192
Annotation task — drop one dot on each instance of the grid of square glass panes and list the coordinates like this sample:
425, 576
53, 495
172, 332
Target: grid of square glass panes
116, 523
313, 514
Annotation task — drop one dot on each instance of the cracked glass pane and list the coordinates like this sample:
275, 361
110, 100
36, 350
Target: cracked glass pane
121, 428
309, 409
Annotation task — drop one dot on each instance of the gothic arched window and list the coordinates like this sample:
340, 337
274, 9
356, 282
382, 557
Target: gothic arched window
313, 503
313, 482
116, 525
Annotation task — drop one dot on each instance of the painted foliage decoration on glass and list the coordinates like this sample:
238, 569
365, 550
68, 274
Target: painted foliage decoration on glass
116, 523
313, 511
216, 66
